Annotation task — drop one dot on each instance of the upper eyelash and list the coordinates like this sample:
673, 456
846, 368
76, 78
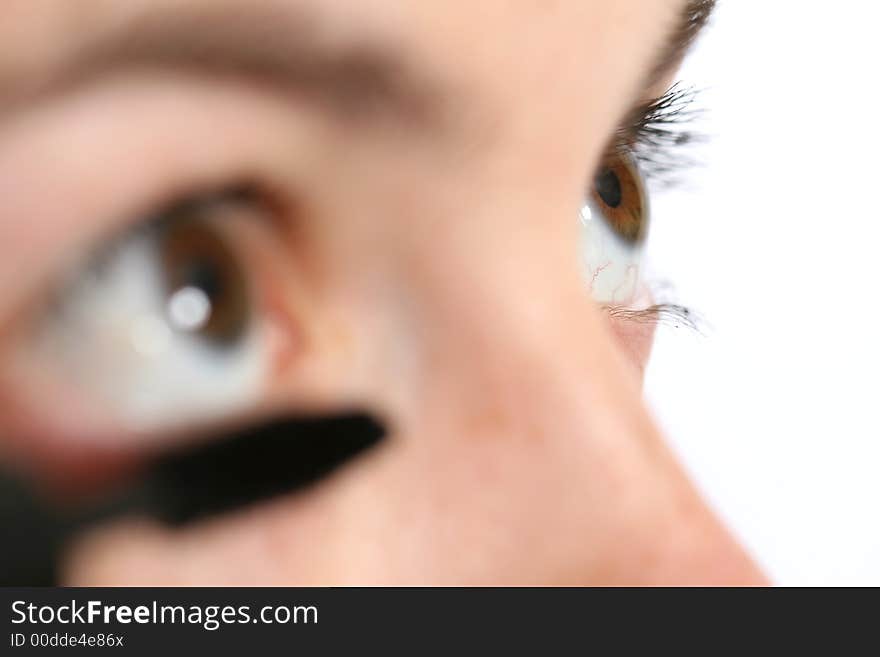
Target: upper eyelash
655, 132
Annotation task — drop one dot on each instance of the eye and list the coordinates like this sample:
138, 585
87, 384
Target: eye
614, 224
161, 327
207, 286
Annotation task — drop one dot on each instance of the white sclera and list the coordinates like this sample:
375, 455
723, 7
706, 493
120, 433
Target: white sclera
611, 265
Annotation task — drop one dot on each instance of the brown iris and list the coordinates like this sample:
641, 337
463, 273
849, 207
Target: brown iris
196, 256
618, 192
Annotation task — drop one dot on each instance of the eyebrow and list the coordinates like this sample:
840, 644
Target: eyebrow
691, 21
285, 49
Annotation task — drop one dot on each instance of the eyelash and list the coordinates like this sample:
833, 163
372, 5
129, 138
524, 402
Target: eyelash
667, 314
657, 133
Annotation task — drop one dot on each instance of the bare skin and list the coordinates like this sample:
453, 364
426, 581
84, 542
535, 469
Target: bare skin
423, 268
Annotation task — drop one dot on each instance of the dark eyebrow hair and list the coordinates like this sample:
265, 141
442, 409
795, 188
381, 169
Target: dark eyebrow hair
692, 19
287, 49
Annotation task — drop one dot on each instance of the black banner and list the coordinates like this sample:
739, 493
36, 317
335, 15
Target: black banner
215, 621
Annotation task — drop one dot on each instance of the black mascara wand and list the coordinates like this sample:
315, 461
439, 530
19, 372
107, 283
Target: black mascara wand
241, 469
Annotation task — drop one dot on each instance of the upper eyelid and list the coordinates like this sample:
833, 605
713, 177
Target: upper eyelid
71, 222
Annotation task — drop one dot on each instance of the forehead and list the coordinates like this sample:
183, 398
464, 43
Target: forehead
488, 42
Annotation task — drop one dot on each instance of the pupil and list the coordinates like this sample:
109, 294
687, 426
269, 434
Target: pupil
207, 289
203, 275
608, 188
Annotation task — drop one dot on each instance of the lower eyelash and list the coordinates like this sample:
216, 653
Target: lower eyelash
667, 314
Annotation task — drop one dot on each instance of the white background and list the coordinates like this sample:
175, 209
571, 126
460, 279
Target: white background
775, 240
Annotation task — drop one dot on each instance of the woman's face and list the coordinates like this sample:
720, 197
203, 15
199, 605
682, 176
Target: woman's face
364, 205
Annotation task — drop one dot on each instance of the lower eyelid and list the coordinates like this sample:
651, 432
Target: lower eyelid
44, 423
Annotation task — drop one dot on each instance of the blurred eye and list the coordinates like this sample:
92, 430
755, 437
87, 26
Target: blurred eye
614, 223
207, 288
160, 327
